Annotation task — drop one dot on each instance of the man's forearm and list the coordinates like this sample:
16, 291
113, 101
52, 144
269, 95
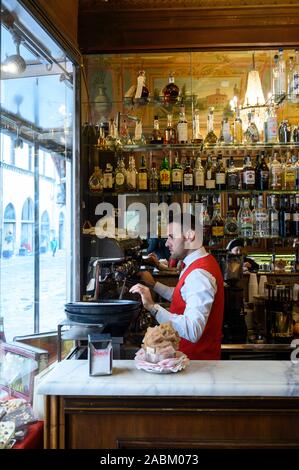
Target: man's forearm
164, 291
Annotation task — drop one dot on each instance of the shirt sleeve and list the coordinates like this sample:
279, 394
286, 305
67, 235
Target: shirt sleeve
198, 292
164, 291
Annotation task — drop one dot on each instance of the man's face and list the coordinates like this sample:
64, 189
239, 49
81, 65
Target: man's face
237, 250
176, 241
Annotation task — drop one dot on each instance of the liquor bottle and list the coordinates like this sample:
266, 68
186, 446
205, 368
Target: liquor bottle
206, 222
262, 174
157, 137
196, 134
169, 132
154, 178
271, 126
108, 178
199, 174
295, 218
95, 182
225, 134
112, 134
275, 173
238, 130
220, 174
211, 137
139, 138
120, 175
282, 74
142, 91
188, 176
248, 174
125, 138
182, 127
2, 334
132, 174
217, 223
284, 132
275, 78
297, 172
284, 218
177, 175
232, 175
210, 174
288, 180
245, 220
165, 175
293, 81
170, 91
273, 217
142, 176
231, 224
260, 218
251, 135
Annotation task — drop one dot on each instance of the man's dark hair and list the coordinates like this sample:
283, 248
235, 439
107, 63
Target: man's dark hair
187, 220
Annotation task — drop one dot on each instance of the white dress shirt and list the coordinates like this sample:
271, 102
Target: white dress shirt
198, 292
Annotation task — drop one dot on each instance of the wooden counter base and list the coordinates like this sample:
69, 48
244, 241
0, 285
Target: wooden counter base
171, 422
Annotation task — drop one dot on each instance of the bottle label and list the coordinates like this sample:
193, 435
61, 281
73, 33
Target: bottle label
231, 227
177, 176
274, 217
119, 179
232, 180
272, 129
131, 179
296, 83
182, 132
287, 216
296, 217
249, 177
107, 181
165, 177
220, 178
261, 216
138, 130
210, 184
217, 230
142, 181
199, 178
188, 179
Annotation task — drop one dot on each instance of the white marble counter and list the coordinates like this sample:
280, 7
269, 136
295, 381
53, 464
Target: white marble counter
200, 378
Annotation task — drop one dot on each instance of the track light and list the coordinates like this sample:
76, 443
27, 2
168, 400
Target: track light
15, 63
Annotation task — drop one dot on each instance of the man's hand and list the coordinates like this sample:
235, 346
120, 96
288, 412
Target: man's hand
147, 278
145, 293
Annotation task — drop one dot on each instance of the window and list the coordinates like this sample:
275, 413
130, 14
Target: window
36, 160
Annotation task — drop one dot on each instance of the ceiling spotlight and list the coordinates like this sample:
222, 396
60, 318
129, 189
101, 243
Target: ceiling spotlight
14, 63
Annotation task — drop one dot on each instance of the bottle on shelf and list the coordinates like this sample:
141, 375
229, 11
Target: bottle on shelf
164, 175
275, 171
182, 127
108, 179
206, 222
142, 176
154, 178
120, 175
293, 80
262, 173
275, 78
238, 130
210, 174
251, 135
282, 74
132, 174
95, 182
248, 174
124, 135
284, 217
112, 136
288, 180
271, 126
220, 176
139, 138
295, 217
199, 174
284, 132
211, 137
217, 224
188, 176
231, 224
157, 137
170, 91
245, 220
225, 133
142, 92
170, 136
177, 175
260, 219
232, 175
196, 134
273, 217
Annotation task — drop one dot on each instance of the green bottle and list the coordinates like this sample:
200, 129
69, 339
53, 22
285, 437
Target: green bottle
165, 175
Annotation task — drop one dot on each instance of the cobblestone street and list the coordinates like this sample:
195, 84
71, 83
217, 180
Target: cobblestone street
17, 287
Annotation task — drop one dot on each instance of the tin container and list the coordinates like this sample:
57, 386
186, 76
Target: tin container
100, 355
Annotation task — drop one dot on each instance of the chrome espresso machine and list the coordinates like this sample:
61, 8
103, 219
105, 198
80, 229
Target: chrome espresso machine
108, 308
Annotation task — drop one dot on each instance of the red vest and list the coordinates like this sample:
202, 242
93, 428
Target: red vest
209, 345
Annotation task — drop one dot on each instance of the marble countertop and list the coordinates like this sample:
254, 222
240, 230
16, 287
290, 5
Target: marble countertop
200, 378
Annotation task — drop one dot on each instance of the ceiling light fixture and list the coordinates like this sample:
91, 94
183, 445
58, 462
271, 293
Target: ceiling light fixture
254, 100
14, 64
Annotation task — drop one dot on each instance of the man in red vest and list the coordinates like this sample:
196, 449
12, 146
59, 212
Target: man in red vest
197, 301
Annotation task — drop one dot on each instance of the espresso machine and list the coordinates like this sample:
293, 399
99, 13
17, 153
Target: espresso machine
109, 309
279, 306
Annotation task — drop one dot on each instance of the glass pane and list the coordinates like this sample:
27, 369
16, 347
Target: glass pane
37, 104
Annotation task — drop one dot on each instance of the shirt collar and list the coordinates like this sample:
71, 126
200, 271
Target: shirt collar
200, 253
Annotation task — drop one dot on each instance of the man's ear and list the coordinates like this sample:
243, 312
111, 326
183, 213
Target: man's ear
189, 235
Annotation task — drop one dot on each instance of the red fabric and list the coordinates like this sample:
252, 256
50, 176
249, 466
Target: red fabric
209, 345
172, 262
34, 438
